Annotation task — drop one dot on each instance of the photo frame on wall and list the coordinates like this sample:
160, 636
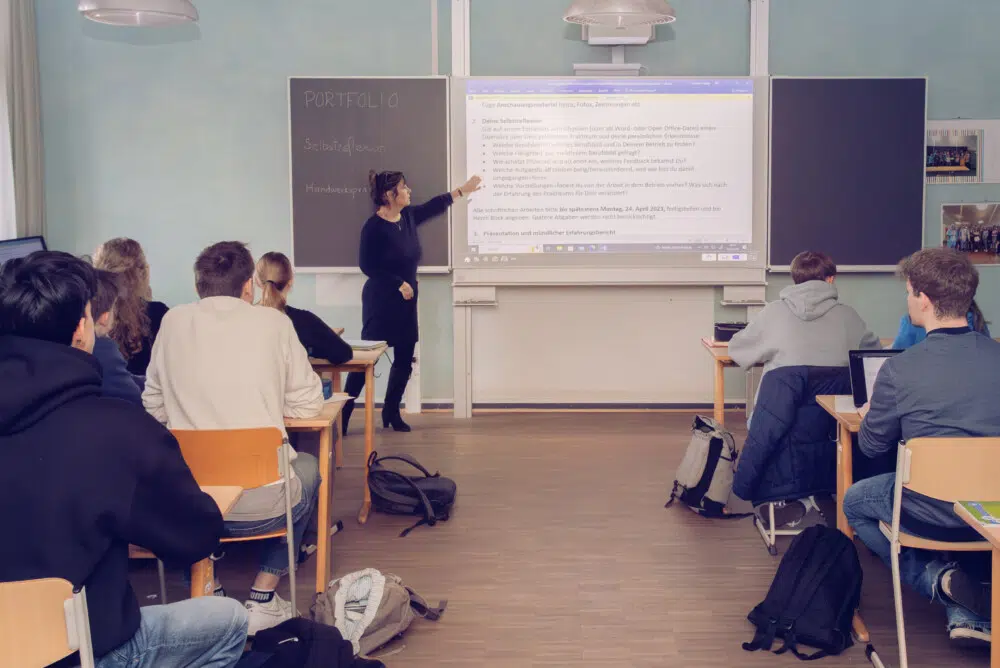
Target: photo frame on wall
963, 151
973, 229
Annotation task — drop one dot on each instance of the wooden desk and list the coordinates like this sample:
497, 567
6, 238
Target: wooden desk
992, 534
847, 424
325, 423
365, 361
203, 572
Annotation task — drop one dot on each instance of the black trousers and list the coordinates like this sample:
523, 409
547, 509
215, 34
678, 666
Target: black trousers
399, 375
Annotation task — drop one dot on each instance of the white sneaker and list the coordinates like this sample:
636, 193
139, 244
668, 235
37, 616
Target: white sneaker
267, 615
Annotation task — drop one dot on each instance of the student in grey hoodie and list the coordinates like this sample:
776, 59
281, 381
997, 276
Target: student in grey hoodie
807, 326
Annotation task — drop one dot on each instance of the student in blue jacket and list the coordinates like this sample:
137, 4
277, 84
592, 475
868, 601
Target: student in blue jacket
909, 334
116, 381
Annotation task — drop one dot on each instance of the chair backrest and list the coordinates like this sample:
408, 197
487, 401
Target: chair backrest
41, 622
954, 468
244, 458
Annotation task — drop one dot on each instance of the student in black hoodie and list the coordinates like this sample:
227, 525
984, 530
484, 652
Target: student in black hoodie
89, 475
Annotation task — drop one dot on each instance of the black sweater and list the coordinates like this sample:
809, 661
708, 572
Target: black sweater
388, 256
317, 337
138, 362
82, 477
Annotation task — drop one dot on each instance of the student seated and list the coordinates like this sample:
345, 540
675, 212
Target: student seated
806, 326
89, 475
138, 317
117, 382
222, 363
909, 334
790, 451
946, 385
275, 279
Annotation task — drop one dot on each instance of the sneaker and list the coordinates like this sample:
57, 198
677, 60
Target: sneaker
786, 514
969, 637
961, 589
267, 615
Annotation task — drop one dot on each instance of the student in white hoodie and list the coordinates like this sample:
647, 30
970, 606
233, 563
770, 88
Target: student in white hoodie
807, 326
223, 363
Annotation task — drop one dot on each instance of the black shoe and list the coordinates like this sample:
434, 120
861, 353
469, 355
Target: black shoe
394, 420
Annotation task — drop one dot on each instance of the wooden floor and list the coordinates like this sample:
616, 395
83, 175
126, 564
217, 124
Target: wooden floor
560, 553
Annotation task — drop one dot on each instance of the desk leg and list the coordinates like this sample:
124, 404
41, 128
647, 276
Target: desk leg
845, 477
202, 578
323, 509
369, 437
720, 393
339, 435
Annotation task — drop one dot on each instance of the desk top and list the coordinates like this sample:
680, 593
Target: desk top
330, 411
720, 349
850, 420
224, 497
990, 533
362, 359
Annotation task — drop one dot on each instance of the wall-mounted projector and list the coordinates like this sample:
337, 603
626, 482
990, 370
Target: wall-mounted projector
598, 35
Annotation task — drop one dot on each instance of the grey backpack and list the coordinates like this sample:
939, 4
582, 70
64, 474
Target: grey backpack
704, 480
370, 608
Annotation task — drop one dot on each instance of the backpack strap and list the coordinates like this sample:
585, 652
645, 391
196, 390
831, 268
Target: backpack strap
420, 606
411, 461
763, 637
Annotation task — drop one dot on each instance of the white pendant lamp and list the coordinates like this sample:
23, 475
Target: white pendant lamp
620, 13
141, 13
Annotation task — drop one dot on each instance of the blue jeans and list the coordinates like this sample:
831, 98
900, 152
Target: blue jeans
274, 559
869, 501
207, 632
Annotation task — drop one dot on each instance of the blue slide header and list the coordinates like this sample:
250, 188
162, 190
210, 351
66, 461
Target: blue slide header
637, 86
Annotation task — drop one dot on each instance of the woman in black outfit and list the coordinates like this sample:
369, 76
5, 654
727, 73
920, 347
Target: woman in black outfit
389, 255
274, 277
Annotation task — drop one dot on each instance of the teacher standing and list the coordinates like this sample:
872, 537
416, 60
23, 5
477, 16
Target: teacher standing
389, 255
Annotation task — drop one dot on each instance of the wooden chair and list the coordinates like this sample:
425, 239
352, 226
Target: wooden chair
43, 621
948, 469
246, 458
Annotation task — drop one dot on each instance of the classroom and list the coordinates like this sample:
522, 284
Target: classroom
737, 257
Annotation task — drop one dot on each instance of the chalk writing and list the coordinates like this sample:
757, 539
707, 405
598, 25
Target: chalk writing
331, 99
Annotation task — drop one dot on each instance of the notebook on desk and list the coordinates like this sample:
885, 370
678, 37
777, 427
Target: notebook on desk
361, 344
865, 365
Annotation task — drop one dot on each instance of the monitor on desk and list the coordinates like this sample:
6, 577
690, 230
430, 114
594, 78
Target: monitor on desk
865, 365
15, 248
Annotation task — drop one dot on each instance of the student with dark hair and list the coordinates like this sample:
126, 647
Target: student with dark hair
117, 382
388, 256
946, 385
807, 326
275, 279
90, 475
222, 363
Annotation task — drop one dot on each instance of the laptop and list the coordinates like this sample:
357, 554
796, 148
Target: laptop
865, 365
15, 248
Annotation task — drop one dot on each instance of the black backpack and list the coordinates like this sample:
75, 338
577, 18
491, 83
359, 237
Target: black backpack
812, 598
429, 495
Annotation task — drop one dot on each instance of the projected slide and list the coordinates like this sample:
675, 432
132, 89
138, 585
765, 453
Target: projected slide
610, 167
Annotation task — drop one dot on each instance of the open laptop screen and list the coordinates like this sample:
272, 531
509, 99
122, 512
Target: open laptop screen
865, 365
14, 248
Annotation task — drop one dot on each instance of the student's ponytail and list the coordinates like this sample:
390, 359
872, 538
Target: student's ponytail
274, 273
978, 319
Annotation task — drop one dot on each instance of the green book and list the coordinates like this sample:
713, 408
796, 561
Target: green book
987, 512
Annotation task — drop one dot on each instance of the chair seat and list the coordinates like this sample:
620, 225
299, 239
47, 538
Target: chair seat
909, 540
280, 533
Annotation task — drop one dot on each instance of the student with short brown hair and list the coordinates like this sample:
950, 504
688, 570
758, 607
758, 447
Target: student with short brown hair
807, 326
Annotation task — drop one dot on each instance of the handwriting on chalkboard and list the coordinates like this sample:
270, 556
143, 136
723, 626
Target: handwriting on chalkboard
331, 99
353, 191
350, 147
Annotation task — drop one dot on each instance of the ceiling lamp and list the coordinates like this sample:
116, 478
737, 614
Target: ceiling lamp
620, 13
141, 13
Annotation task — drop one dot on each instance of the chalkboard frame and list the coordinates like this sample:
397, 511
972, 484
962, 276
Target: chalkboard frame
429, 269
842, 268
